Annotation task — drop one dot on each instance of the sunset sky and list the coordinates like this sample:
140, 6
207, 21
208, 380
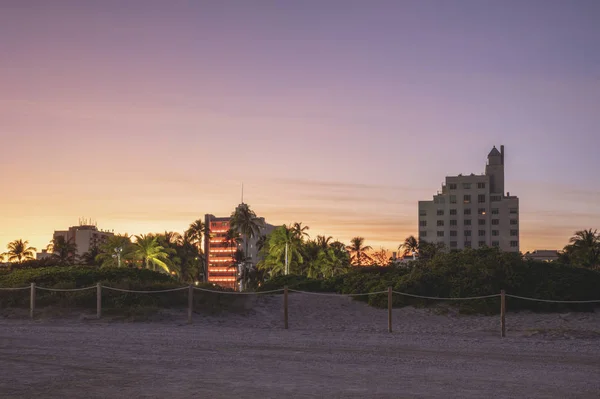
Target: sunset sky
145, 115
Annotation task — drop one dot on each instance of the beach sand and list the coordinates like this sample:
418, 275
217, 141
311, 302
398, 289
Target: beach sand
335, 348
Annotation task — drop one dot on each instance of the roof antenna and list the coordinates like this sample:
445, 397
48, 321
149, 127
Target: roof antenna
242, 193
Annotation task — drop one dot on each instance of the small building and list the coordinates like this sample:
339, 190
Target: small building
544, 255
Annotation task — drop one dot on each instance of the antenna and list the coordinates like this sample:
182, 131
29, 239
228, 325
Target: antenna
242, 193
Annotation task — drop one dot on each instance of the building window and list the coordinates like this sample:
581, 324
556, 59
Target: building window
467, 199
495, 243
495, 233
422, 223
466, 186
495, 198
453, 244
481, 211
481, 222
481, 198
495, 222
422, 212
467, 222
481, 233
481, 244
514, 244
453, 222
440, 212
452, 199
452, 212
467, 244
422, 234
514, 221
514, 233
440, 233
452, 186
467, 211
480, 185
453, 233
514, 211
467, 233
495, 211
440, 222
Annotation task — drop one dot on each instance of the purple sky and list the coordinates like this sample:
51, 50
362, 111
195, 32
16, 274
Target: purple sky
144, 115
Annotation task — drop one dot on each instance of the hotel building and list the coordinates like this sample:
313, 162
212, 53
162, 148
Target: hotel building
473, 211
222, 269
86, 236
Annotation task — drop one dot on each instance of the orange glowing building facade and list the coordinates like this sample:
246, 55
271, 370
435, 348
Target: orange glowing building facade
219, 254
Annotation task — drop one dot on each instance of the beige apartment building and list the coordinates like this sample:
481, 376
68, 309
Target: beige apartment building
473, 211
86, 236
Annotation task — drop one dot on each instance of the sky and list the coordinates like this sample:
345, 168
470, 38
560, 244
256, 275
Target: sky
145, 115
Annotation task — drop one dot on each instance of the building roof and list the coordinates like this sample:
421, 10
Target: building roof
494, 152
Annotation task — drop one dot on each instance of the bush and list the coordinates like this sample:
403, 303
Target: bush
122, 278
296, 282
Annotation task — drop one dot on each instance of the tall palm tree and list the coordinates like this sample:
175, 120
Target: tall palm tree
275, 259
115, 248
19, 251
584, 248
172, 237
195, 232
147, 249
64, 251
244, 220
358, 251
300, 231
232, 239
409, 246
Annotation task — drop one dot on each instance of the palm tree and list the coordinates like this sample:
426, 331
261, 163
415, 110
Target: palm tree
147, 249
275, 259
195, 232
323, 242
358, 251
409, 246
64, 251
172, 237
584, 248
261, 242
244, 221
19, 251
333, 262
300, 231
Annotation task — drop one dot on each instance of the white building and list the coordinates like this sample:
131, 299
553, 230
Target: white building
473, 211
85, 236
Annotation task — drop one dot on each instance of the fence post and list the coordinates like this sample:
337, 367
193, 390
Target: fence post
190, 303
503, 313
390, 309
285, 307
32, 300
98, 300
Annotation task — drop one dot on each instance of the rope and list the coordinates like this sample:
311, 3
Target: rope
65, 289
446, 299
550, 300
14, 289
238, 293
330, 294
145, 292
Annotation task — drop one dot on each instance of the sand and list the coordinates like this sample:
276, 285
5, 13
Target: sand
335, 348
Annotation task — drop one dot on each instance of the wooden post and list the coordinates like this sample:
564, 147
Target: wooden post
503, 313
285, 307
32, 301
390, 309
98, 300
190, 303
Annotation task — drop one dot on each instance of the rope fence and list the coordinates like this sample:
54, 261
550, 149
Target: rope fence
98, 287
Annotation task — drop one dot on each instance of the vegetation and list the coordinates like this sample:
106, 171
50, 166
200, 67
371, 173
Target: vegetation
358, 251
19, 251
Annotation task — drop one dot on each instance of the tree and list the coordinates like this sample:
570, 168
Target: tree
245, 222
381, 258
333, 262
89, 258
300, 231
274, 261
409, 246
194, 233
323, 242
584, 248
172, 237
428, 250
147, 249
115, 248
358, 251
64, 251
19, 251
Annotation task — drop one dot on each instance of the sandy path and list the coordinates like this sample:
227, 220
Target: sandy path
334, 348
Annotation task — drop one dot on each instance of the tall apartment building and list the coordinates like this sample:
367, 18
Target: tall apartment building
473, 211
219, 254
85, 236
